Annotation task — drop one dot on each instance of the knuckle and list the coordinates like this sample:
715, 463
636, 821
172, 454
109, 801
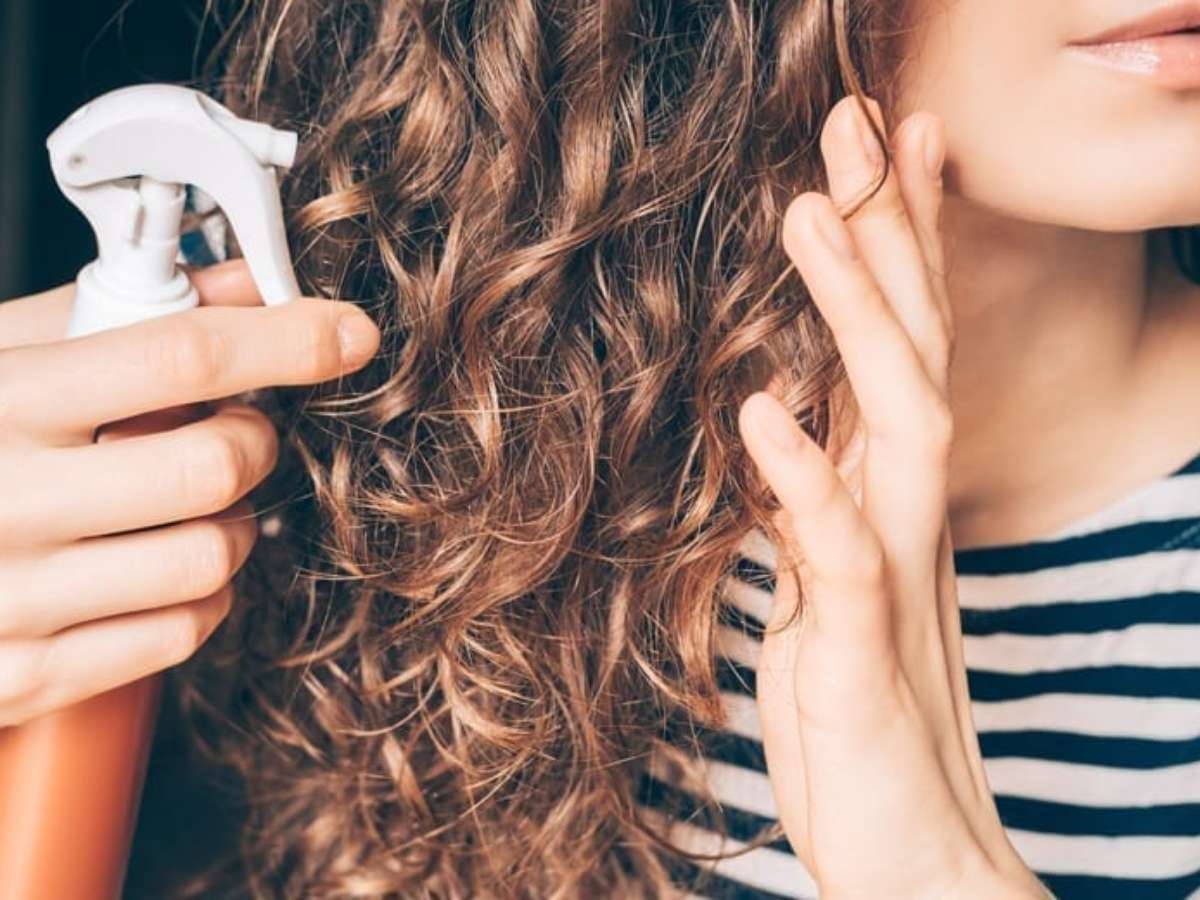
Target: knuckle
939, 359
863, 564
317, 345
267, 444
213, 559
213, 469
22, 679
182, 633
886, 208
187, 352
803, 205
259, 443
263, 436
924, 434
19, 500
951, 343
949, 347
798, 219
12, 621
872, 563
938, 430
851, 554
179, 637
224, 603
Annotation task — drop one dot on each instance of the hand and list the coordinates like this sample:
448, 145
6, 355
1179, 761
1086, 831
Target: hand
871, 750
116, 556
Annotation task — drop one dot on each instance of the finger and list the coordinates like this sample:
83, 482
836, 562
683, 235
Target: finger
898, 402
44, 317
775, 698
854, 160
158, 420
45, 674
227, 283
920, 142
61, 392
37, 318
907, 418
840, 648
139, 482
847, 437
840, 555
950, 624
115, 574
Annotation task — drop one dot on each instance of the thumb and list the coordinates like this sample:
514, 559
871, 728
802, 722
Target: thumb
226, 283
43, 317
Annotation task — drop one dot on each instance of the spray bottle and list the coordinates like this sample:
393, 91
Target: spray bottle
70, 782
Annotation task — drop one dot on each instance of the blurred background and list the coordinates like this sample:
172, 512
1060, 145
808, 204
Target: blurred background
54, 56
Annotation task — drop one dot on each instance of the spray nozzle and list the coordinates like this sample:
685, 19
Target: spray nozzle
123, 159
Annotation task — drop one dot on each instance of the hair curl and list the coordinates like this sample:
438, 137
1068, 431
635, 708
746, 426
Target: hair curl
495, 591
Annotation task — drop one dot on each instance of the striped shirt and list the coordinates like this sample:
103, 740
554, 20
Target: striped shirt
1083, 662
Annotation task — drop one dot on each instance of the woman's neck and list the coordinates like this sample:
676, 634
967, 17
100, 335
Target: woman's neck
1057, 361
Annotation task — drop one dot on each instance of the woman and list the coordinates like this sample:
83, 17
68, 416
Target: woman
513, 662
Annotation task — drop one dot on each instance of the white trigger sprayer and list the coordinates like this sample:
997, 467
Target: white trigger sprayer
70, 782
124, 158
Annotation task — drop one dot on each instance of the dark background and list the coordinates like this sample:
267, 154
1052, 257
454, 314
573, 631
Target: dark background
54, 56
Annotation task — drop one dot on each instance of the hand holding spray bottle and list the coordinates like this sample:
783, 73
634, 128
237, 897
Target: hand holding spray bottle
70, 776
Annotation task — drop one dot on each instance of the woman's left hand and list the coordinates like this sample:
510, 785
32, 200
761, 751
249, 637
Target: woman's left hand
870, 746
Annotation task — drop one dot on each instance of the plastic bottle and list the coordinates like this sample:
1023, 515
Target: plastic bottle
70, 782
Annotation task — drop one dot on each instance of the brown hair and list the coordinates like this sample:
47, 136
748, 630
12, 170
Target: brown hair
495, 593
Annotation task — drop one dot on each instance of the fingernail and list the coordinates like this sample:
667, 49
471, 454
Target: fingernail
356, 335
832, 231
866, 137
935, 151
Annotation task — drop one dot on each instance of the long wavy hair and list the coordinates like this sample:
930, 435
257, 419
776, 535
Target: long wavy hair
502, 547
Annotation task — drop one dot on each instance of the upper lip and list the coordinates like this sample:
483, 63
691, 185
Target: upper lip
1162, 20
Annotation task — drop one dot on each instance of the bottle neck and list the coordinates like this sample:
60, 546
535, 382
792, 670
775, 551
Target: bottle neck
144, 256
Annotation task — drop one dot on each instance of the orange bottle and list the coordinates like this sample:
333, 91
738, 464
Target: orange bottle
70, 782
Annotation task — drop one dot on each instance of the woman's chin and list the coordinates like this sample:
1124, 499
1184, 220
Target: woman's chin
1098, 210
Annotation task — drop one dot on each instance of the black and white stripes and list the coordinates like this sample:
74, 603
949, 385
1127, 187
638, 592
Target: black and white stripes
1083, 657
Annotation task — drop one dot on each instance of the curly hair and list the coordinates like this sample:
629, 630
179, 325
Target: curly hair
495, 591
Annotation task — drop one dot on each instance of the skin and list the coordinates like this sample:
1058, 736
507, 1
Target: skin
1058, 294
865, 715
116, 555
1041, 235
1028, 264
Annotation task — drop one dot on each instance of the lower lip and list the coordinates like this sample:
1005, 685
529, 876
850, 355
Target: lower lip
1167, 60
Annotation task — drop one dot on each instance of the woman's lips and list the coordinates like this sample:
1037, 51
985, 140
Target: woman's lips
1168, 60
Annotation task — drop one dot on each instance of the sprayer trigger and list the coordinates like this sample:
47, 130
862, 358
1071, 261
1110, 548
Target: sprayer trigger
124, 159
